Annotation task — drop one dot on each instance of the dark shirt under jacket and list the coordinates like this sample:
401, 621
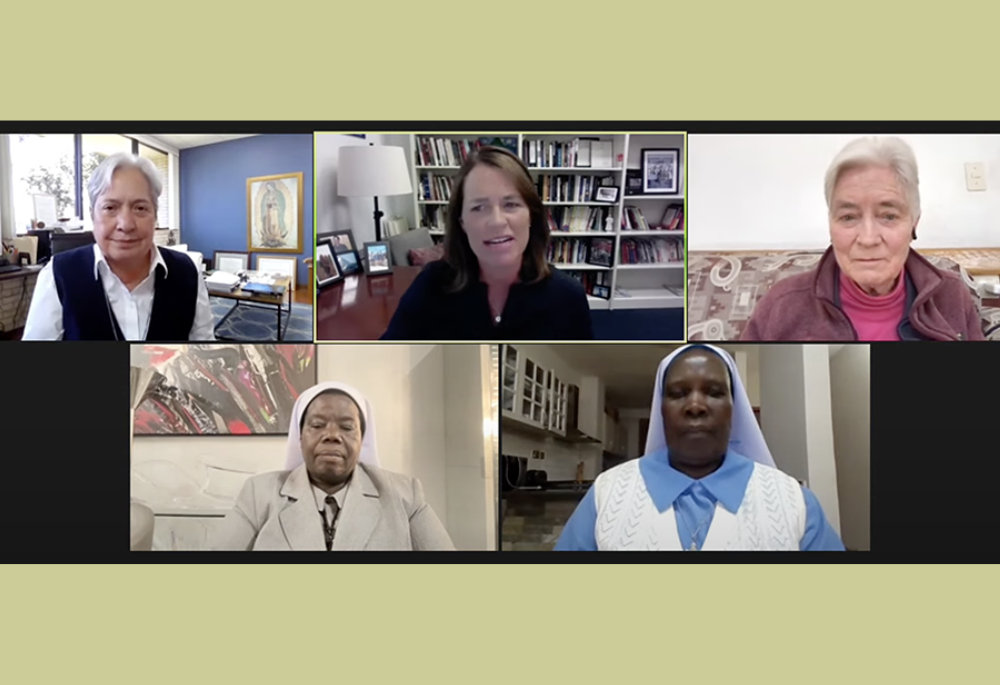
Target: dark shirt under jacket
556, 308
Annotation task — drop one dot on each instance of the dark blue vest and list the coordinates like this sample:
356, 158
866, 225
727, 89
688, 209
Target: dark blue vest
86, 310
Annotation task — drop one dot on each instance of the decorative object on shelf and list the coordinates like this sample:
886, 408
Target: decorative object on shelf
633, 182
327, 269
274, 213
231, 262
660, 170
370, 171
602, 291
377, 261
601, 252
222, 389
606, 194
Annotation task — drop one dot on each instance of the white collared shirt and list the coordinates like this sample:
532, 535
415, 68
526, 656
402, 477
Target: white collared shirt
132, 308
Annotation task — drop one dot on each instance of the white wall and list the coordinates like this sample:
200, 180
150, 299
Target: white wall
766, 191
405, 385
796, 418
850, 385
561, 457
635, 445
335, 213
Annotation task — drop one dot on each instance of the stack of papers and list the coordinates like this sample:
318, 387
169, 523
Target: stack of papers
222, 279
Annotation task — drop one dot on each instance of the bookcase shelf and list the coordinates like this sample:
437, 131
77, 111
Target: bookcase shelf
646, 284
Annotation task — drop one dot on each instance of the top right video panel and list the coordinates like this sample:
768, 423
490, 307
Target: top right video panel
837, 238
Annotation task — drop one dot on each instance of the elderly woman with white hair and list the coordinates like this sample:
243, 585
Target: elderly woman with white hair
869, 285
123, 287
332, 495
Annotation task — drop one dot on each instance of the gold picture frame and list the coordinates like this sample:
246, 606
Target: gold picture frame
269, 213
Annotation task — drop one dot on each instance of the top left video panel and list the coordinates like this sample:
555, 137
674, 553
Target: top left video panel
156, 238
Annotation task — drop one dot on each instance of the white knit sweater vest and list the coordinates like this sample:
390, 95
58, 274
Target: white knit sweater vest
772, 515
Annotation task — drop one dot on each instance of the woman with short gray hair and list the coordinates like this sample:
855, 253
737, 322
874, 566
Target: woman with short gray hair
869, 285
123, 287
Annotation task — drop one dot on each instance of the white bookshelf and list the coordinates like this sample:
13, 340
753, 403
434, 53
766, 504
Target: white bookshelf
643, 283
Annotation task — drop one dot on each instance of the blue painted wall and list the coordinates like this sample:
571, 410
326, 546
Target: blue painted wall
213, 191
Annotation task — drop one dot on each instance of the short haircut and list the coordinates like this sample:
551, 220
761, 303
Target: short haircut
100, 180
889, 152
332, 391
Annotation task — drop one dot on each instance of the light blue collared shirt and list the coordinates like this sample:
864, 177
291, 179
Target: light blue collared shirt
694, 503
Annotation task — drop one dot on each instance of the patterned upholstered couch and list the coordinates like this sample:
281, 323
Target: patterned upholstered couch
724, 288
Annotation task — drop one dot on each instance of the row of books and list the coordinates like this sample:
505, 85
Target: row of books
435, 187
651, 250
570, 187
436, 151
577, 219
595, 251
672, 220
578, 153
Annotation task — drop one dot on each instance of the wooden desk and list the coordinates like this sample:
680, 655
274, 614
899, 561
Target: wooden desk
276, 301
359, 307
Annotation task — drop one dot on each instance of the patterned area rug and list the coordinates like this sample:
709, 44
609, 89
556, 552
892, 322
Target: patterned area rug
252, 323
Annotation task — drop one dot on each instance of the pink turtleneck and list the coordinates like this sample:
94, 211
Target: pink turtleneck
874, 318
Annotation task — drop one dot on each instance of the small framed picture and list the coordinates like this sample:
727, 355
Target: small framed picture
660, 170
327, 270
231, 262
349, 262
633, 182
600, 251
602, 291
377, 261
343, 241
606, 194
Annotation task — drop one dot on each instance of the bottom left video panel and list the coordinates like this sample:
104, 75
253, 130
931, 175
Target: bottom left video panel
302, 447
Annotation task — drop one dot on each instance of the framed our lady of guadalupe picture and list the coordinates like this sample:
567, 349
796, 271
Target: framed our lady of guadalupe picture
274, 213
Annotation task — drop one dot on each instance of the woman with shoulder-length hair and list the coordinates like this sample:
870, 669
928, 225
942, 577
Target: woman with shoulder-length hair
869, 285
494, 282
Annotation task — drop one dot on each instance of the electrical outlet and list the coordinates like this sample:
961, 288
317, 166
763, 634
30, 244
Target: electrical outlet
975, 176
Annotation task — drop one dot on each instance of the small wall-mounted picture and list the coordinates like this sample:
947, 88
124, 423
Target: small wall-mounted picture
348, 262
377, 259
660, 169
606, 194
600, 252
327, 270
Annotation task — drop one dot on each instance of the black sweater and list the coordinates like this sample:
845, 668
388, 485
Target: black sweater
556, 308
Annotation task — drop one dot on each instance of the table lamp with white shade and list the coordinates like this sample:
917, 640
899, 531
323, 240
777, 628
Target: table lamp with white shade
373, 170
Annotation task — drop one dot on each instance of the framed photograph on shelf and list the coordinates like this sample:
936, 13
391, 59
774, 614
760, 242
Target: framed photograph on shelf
231, 262
606, 194
274, 213
327, 270
661, 170
600, 252
343, 241
283, 266
633, 182
377, 260
602, 291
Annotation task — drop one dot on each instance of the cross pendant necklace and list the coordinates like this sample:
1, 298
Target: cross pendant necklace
694, 535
